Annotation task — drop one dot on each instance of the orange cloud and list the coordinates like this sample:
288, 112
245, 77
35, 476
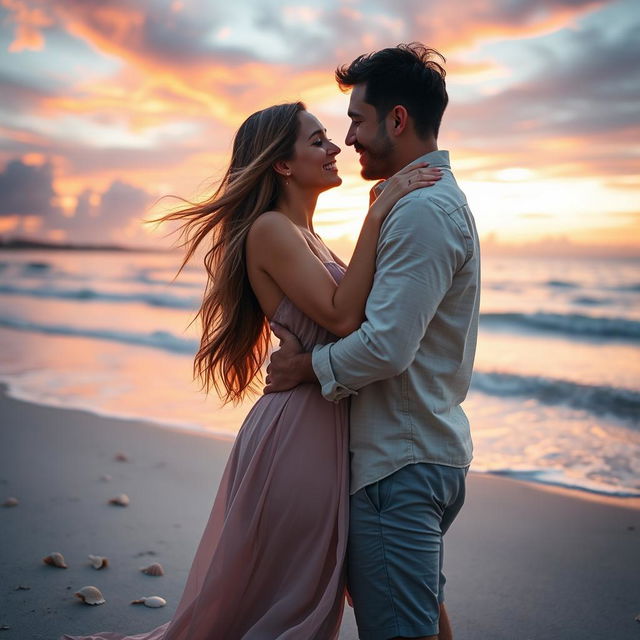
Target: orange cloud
9, 223
150, 96
34, 159
106, 27
208, 83
483, 23
154, 88
166, 116
29, 24
24, 136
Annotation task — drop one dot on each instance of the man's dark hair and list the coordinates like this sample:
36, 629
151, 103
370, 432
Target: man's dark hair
407, 75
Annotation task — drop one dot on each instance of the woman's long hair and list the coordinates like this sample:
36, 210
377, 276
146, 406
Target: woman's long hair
235, 331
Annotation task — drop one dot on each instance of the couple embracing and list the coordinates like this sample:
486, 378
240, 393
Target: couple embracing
350, 468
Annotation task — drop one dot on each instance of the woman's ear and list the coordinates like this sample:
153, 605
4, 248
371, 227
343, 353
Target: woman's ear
282, 167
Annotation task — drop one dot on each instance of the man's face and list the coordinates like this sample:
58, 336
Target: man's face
369, 137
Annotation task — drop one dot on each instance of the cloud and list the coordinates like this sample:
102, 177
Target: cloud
497, 20
110, 216
137, 30
18, 94
149, 92
339, 33
27, 193
176, 45
577, 110
27, 190
121, 202
16, 140
173, 61
29, 23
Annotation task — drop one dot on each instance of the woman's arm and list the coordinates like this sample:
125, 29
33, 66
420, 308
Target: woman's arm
278, 248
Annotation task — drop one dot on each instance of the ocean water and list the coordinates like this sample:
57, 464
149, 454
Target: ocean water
555, 396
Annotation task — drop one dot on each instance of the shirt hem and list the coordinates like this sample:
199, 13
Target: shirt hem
386, 474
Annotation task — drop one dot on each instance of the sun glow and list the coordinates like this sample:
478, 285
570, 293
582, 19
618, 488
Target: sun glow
514, 174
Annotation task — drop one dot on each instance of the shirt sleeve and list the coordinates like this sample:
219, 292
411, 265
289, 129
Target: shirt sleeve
419, 251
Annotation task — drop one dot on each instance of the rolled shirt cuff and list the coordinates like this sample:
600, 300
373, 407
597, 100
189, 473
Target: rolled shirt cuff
332, 390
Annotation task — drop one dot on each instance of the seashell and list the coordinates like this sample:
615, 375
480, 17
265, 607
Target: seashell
99, 562
11, 502
121, 457
90, 595
121, 501
151, 601
55, 559
105, 477
155, 569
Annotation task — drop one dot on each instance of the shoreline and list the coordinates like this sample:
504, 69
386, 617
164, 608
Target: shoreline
522, 560
189, 429
8, 389
625, 502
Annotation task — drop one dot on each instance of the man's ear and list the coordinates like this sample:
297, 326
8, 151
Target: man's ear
398, 119
282, 167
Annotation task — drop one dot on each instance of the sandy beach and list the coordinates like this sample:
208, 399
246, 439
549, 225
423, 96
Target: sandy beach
522, 562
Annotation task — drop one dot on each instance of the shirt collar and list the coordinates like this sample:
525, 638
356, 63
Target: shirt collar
439, 158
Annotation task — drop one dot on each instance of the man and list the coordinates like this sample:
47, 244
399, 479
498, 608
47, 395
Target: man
407, 368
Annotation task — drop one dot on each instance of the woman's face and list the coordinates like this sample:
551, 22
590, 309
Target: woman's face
314, 161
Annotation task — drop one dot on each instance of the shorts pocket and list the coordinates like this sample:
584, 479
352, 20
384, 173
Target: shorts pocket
372, 494
379, 493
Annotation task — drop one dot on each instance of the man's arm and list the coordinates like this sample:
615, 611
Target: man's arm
419, 251
289, 366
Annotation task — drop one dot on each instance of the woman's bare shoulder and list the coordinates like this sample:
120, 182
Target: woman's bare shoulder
272, 225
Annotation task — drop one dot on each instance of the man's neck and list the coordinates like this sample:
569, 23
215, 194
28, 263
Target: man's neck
411, 151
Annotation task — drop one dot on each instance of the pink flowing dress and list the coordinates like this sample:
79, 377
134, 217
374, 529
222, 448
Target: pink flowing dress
270, 564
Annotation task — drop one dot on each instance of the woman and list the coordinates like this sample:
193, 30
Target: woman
270, 562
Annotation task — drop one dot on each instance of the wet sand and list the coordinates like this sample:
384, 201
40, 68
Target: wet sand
522, 562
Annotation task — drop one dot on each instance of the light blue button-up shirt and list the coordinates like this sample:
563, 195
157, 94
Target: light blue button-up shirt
408, 367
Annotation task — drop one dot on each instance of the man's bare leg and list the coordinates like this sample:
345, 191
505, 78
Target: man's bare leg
444, 625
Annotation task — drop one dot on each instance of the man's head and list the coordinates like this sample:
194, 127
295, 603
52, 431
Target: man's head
397, 101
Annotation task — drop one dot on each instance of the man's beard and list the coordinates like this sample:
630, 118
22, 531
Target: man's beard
378, 156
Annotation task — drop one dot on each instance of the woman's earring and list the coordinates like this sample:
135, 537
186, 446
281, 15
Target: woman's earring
286, 180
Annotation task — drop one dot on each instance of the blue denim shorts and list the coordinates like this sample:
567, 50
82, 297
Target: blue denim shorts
394, 558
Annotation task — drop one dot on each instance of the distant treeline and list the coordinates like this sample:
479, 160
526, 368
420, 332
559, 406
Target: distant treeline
25, 243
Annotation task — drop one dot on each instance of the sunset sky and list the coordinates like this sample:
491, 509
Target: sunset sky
107, 105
